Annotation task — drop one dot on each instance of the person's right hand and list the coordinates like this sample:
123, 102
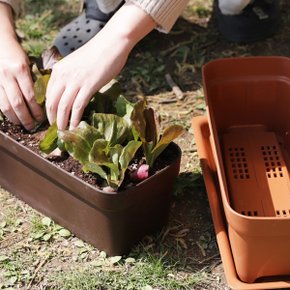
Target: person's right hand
17, 101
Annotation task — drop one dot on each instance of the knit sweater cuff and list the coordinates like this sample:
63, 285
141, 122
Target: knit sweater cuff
15, 5
164, 12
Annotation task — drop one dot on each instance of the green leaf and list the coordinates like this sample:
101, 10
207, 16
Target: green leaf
64, 233
138, 119
95, 105
79, 142
103, 101
49, 142
147, 126
47, 237
46, 221
40, 86
98, 153
124, 108
115, 153
115, 259
38, 235
112, 90
169, 135
128, 153
93, 167
113, 128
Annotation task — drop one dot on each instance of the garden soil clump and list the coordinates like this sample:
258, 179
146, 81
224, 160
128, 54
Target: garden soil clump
67, 163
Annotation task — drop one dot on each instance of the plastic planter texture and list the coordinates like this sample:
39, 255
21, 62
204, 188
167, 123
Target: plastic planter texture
203, 140
248, 103
111, 222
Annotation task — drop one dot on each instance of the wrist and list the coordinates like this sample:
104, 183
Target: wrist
129, 24
7, 29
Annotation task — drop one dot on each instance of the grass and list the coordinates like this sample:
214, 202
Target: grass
36, 253
147, 272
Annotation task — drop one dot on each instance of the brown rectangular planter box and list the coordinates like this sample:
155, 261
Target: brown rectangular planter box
111, 222
204, 142
248, 103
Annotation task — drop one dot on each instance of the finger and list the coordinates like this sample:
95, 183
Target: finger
6, 108
26, 86
78, 107
18, 104
52, 100
65, 106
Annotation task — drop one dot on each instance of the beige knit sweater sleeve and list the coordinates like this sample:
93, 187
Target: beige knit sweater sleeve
164, 12
15, 4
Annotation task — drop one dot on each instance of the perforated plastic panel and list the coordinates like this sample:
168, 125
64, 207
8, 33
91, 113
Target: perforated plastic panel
257, 175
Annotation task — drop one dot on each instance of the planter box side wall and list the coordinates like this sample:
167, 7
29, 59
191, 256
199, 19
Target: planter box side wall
112, 222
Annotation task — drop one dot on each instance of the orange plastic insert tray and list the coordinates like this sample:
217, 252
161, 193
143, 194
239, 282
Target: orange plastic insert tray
256, 172
248, 101
203, 140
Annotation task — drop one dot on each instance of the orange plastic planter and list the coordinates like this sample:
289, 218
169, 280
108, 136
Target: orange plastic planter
248, 103
203, 140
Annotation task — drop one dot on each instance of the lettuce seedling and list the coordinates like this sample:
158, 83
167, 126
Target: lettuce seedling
98, 147
147, 126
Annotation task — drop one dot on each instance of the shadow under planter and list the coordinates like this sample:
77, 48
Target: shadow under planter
112, 222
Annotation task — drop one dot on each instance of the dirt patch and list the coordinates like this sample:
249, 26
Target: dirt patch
69, 164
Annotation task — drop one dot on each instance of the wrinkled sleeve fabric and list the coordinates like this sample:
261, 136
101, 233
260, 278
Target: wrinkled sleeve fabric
15, 5
164, 12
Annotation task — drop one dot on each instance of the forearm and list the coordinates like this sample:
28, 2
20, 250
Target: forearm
7, 30
129, 25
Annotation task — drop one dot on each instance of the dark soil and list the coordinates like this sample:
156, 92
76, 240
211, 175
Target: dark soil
69, 164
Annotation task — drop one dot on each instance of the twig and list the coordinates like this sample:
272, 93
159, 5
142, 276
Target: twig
165, 52
209, 258
201, 249
175, 88
36, 271
164, 102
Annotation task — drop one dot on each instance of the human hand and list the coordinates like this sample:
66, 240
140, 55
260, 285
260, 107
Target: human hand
79, 75
17, 100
